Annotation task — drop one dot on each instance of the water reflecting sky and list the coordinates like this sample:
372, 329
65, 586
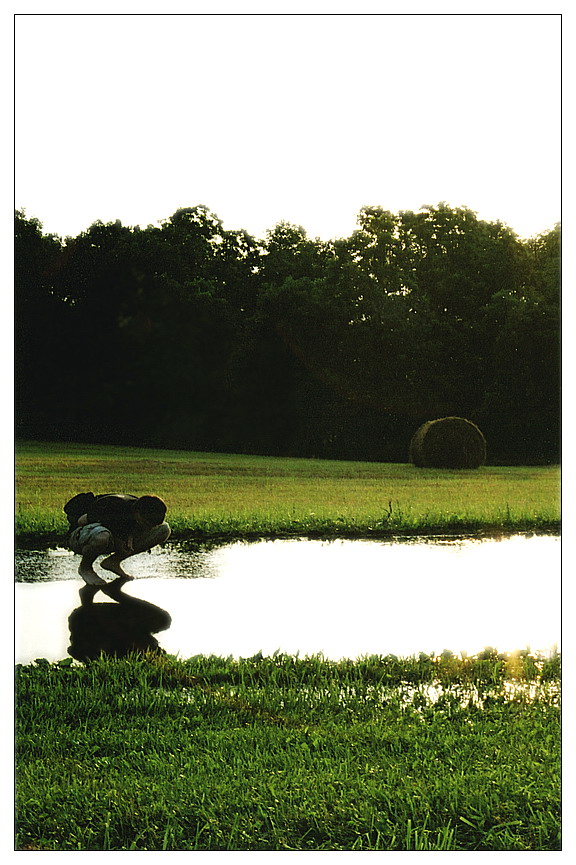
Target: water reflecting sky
341, 598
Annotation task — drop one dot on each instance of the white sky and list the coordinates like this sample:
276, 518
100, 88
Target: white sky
299, 117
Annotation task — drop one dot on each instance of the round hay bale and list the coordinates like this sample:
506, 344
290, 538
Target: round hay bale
448, 443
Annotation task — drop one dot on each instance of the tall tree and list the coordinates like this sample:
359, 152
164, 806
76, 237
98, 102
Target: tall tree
190, 335
42, 329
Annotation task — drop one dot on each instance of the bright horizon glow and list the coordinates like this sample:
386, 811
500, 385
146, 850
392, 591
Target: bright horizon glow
297, 118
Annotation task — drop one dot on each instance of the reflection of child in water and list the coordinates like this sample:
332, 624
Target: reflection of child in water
117, 629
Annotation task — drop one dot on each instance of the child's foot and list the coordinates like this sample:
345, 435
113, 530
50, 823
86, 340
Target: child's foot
90, 576
112, 564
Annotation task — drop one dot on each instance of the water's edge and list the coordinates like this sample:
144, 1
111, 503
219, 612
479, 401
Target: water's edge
200, 540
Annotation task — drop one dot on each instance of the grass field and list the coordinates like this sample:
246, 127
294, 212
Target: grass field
212, 496
289, 754
281, 753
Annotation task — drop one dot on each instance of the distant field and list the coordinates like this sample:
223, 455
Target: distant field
224, 495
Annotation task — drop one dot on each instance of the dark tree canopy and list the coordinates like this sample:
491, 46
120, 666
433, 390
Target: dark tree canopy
188, 335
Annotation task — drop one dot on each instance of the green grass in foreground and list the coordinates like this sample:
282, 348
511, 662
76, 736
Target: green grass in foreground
220, 496
284, 753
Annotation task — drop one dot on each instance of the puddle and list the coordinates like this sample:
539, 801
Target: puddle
342, 598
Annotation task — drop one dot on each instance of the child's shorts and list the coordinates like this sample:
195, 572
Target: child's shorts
84, 535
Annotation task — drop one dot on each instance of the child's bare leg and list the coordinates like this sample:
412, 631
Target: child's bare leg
153, 537
99, 545
112, 563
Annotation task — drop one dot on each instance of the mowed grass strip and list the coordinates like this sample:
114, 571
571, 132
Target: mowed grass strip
234, 494
286, 754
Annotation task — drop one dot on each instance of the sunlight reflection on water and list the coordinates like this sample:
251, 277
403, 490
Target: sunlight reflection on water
340, 598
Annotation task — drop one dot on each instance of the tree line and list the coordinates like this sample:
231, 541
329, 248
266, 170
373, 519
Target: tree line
187, 335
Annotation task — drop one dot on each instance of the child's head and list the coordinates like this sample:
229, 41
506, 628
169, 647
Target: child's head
151, 510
